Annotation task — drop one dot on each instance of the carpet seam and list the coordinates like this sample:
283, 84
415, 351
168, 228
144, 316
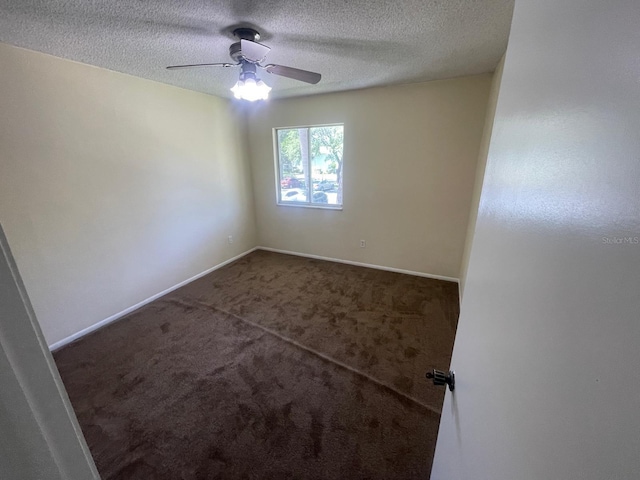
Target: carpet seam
323, 356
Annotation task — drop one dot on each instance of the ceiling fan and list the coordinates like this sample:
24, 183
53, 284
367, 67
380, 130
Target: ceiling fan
249, 55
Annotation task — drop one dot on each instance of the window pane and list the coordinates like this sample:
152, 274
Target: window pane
292, 170
326, 145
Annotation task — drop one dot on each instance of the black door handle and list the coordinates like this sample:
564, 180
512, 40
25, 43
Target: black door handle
441, 378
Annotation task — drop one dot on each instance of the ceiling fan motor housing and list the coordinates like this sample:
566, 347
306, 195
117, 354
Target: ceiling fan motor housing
245, 33
235, 50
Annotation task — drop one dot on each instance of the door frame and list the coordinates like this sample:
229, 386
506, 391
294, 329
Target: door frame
41, 435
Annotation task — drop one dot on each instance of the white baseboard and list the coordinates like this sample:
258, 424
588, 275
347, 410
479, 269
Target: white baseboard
121, 314
113, 318
360, 264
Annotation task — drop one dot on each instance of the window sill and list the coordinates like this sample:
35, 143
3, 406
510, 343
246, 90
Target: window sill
306, 205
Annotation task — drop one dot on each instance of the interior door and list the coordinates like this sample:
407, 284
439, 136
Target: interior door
547, 353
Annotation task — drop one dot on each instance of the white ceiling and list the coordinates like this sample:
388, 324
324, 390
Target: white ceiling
352, 43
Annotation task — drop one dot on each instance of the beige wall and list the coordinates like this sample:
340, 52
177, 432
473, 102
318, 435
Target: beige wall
114, 188
410, 160
482, 162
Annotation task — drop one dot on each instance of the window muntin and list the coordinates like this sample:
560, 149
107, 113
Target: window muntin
309, 166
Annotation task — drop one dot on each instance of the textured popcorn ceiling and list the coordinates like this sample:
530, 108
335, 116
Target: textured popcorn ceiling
352, 43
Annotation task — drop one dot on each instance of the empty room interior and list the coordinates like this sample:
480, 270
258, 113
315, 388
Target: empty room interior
242, 239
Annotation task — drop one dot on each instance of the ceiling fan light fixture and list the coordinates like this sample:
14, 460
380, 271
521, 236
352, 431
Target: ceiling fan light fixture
237, 89
249, 55
251, 90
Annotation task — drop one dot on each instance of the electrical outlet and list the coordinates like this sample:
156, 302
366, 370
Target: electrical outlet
230, 239
363, 243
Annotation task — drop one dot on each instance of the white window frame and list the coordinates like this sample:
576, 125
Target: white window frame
308, 181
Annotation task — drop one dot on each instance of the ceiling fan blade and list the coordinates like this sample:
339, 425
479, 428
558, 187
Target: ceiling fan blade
253, 51
225, 65
295, 73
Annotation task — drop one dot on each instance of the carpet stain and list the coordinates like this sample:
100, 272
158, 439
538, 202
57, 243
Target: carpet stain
286, 410
403, 382
248, 378
317, 429
410, 352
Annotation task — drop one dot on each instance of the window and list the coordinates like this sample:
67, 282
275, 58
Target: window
309, 166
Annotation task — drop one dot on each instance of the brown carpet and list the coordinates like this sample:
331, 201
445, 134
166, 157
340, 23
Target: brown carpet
272, 367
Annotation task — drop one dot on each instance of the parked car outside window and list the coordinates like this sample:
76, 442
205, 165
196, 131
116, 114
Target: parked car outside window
325, 186
292, 182
294, 195
320, 197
